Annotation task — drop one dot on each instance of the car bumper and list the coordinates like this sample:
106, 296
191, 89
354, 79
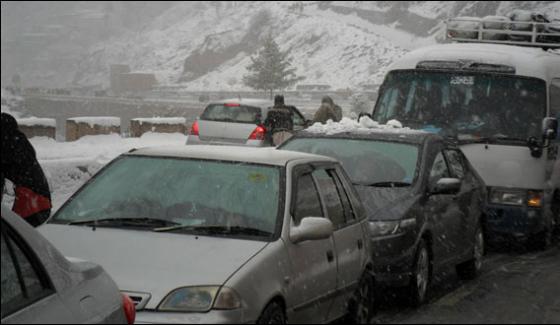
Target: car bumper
393, 258
516, 222
211, 317
195, 140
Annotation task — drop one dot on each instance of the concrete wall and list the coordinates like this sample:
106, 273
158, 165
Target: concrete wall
137, 128
75, 130
31, 131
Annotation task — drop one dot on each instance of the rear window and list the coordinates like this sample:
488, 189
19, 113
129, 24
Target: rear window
232, 113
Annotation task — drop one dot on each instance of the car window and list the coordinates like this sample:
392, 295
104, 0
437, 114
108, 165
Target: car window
349, 214
298, 120
555, 98
234, 113
456, 163
333, 203
307, 202
439, 169
21, 283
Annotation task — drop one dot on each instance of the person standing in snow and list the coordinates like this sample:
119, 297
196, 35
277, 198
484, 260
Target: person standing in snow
279, 121
20, 166
328, 111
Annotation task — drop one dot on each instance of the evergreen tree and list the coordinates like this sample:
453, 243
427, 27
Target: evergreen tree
270, 69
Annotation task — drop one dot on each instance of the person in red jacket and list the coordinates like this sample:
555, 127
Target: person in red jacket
20, 166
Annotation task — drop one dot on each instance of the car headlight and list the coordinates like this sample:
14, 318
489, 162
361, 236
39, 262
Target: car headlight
386, 228
507, 197
200, 299
534, 199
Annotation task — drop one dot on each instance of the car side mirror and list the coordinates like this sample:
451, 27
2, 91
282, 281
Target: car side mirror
446, 186
311, 228
550, 128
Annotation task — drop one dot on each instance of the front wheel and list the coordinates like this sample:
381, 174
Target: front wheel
471, 269
273, 314
361, 307
420, 279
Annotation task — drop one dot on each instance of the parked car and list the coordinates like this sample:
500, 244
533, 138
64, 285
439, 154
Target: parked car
205, 234
237, 122
423, 199
39, 285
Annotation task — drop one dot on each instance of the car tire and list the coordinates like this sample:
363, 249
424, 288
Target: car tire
273, 314
471, 269
421, 274
361, 307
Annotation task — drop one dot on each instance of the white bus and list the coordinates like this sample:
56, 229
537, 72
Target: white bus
501, 103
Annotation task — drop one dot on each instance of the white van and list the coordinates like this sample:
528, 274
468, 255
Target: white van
501, 103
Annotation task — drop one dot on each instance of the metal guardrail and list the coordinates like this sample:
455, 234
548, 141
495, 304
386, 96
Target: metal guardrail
525, 33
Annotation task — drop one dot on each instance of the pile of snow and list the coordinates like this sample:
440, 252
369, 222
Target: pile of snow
162, 120
68, 165
364, 125
107, 121
36, 121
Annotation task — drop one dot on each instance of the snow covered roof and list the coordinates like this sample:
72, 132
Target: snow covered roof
530, 62
36, 121
262, 156
97, 120
364, 126
258, 102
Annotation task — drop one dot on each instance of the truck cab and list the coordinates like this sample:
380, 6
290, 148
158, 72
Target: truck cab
500, 101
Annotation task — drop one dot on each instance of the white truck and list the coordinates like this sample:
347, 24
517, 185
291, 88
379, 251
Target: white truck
499, 98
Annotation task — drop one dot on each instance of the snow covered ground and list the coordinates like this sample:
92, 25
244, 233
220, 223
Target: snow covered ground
68, 165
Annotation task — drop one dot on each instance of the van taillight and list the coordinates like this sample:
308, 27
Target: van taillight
258, 134
129, 309
194, 128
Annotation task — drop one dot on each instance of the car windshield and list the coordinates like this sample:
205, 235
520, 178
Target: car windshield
367, 162
467, 105
189, 193
234, 113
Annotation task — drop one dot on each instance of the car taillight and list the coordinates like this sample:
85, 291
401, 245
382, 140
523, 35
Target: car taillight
231, 105
194, 128
129, 309
258, 134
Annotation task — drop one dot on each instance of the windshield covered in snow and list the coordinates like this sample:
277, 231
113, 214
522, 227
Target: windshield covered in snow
367, 162
464, 104
181, 193
232, 113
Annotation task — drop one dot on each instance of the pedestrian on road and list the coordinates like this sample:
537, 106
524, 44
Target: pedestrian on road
279, 121
20, 166
328, 111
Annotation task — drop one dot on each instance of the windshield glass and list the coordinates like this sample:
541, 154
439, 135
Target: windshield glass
232, 113
184, 192
367, 162
468, 105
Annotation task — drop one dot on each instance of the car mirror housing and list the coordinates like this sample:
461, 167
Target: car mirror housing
311, 228
550, 128
446, 186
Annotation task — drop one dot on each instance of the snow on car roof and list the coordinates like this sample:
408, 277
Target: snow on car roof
262, 156
364, 126
530, 62
247, 101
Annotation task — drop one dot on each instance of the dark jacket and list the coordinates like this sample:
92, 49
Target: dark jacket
328, 111
20, 166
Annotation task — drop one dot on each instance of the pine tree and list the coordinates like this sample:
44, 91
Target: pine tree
270, 69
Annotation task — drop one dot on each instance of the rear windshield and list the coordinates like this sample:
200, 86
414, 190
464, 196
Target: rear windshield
232, 113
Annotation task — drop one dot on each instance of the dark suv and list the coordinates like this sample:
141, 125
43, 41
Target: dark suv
423, 199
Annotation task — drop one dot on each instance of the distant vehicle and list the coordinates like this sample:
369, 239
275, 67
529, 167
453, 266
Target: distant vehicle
502, 102
205, 234
237, 122
39, 285
423, 200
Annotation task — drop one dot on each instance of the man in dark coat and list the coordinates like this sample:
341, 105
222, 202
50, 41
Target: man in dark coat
20, 166
328, 111
279, 121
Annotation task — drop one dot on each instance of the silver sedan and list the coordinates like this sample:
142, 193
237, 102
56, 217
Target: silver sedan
39, 285
209, 234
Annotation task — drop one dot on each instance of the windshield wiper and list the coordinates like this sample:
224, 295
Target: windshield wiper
125, 222
217, 230
385, 184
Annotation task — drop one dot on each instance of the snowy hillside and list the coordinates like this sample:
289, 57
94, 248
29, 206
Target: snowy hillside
207, 45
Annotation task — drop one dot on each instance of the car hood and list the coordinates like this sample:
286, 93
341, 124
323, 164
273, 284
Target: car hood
154, 263
506, 166
386, 203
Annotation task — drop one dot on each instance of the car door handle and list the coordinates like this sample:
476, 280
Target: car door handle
330, 256
360, 244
